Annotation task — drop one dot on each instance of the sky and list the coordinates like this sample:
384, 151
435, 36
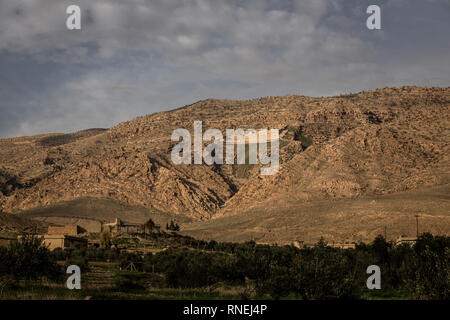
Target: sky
137, 57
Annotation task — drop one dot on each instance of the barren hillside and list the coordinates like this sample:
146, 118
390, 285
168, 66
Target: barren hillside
336, 153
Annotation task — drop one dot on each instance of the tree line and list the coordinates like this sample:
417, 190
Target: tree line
420, 271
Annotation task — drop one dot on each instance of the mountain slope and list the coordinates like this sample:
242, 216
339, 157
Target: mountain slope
350, 147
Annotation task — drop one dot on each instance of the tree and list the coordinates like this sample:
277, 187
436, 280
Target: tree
324, 273
105, 240
28, 259
173, 226
380, 249
432, 275
150, 225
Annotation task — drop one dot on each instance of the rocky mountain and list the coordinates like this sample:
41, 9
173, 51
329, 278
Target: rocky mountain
334, 150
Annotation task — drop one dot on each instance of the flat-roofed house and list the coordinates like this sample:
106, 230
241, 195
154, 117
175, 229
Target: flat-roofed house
63, 241
119, 226
405, 240
72, 230
342, 245
64, 237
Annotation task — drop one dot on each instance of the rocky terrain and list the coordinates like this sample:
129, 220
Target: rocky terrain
337, 155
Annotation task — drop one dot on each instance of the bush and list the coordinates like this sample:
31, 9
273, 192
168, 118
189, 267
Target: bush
59, 254
28, 259
432, 277
129, 281
79, 261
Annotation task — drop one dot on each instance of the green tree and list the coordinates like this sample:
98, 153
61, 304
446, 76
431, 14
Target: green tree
380, 248
28, 259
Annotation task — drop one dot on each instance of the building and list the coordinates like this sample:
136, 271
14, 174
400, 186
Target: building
405, 240
63, 237
119, 226
63, 241
342, 245
298, 243
73, 230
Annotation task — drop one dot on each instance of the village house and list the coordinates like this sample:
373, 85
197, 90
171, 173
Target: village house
63, 237
119, 226
63, 241
72, 230
342, 245
405, 240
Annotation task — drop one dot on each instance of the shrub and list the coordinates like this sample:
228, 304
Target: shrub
28, 259
129, 281
105, 240
79, 261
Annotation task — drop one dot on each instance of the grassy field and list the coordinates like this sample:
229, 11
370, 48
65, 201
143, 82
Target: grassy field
103, 282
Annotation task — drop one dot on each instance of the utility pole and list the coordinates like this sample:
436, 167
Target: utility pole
417, 225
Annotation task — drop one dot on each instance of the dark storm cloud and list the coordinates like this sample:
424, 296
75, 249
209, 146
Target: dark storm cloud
137, 57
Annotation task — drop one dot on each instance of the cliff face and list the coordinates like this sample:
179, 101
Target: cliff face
348, 147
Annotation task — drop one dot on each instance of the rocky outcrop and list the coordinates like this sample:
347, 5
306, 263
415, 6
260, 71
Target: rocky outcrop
372, 143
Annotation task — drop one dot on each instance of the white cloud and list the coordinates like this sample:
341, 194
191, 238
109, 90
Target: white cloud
139, 56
